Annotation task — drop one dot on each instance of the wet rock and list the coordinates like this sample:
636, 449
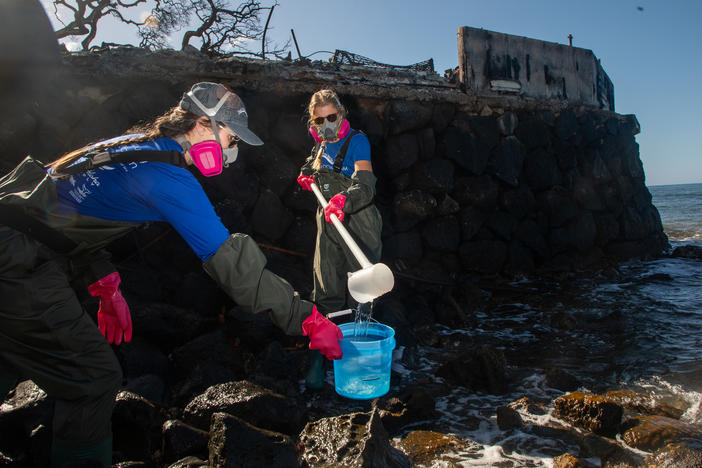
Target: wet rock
592, 412
650, 433
528, 406
414, 404
351, 440
236, 443
561, 437
252, 403
643, 404
136, 425
426, 448
568, 460
481, 368
561, 380
688, 251
608, 451
508, 418
25, 422
181, 440
149, 386
683, 454
189, 462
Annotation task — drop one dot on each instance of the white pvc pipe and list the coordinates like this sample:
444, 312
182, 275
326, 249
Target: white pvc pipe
355, 250
341, 312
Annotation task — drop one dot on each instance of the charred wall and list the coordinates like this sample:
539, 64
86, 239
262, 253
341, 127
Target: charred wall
494, 63
467, 184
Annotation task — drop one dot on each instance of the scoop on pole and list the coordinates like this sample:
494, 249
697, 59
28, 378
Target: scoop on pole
372, 280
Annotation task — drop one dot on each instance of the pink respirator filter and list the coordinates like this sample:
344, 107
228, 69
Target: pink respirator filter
207, 157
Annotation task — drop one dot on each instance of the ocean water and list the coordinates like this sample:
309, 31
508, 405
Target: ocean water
639, 328
680, 207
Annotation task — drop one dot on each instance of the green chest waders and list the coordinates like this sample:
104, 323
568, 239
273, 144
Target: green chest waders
332, 257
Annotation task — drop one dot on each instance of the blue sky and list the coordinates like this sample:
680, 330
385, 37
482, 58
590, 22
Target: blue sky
653, 56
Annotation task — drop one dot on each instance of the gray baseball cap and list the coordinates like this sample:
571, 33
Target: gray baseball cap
215, 101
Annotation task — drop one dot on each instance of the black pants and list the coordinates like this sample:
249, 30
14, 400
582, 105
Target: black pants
46, 336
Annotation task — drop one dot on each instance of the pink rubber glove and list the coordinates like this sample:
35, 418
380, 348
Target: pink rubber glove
305, 181
336, 206
114, 320
324, 334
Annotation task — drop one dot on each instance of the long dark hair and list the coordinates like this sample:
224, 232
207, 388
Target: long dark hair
175, 121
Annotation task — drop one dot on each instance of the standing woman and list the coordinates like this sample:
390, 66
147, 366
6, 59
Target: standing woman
53, 222
340, 165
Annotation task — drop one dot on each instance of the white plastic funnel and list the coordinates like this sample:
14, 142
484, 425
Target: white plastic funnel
372, 280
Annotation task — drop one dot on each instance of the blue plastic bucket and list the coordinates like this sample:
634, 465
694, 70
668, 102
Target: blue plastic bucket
364, 370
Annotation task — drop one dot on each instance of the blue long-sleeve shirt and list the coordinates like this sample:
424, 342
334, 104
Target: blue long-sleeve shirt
147, 191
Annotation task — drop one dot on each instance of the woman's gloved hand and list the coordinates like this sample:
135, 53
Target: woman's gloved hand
114, 320
304, 181
336, 206
324, 334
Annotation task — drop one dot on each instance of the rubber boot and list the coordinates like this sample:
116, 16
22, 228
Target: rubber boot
6, 384
98, 455
315, 375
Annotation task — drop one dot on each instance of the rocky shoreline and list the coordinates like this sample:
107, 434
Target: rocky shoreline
208, 385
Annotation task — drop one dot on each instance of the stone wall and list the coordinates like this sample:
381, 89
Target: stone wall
467, 185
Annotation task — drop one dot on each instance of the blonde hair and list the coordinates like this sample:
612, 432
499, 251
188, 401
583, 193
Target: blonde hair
175, 121
323, 97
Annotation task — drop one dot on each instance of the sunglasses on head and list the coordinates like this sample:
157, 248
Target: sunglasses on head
320, 120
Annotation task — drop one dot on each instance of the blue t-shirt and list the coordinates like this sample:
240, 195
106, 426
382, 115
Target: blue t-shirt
358, 150
147, 191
